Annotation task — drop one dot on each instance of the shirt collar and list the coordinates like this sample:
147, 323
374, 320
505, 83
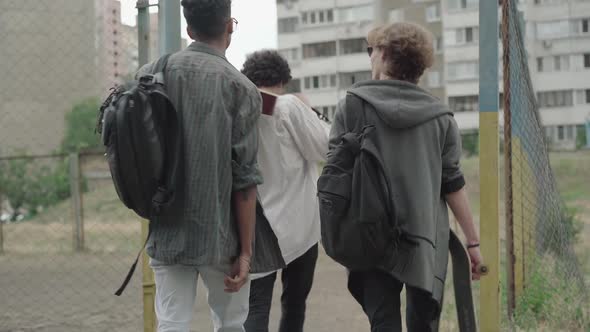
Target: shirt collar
198, 46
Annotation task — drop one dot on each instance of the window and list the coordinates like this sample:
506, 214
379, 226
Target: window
318, 50
588, 96
433, 13
461, 36
549, 133
294, 86
462, 4
464, 103
317, 17
560, 133
319, 82
348, 79
288, 25
540, 65
553, 29
350, 46
569, 132
434, 79
585, 25
290, 54
356, 14
562, 63
438, 44
462, 70
550, 99
587, 60
471, 35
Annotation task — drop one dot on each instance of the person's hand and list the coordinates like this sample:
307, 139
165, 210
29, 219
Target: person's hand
238, 275
476, 262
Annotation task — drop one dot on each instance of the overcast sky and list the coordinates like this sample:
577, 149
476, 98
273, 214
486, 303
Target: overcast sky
257, 27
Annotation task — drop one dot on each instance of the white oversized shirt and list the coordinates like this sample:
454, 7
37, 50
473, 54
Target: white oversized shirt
292, 142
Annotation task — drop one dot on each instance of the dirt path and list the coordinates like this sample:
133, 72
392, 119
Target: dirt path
67, 293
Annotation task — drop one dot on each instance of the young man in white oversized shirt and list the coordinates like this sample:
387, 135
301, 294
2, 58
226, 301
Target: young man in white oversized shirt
293, 141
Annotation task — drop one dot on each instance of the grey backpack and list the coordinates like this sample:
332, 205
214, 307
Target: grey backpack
357, 212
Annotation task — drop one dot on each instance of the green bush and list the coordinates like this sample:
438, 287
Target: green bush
32, 185
581, 139
80, 124
470, 143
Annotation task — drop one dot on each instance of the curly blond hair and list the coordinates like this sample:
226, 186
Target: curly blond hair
407, 47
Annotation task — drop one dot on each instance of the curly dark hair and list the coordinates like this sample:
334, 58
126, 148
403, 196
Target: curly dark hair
207, 18
267, 68
408, 48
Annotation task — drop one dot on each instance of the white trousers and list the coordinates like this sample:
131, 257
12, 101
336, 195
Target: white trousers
176, 289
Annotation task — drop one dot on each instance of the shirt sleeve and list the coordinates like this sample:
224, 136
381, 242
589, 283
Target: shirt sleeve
452, 176
307, 130
245, 170
338, 125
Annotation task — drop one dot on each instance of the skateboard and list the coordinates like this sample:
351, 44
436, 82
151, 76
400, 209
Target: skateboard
462, 284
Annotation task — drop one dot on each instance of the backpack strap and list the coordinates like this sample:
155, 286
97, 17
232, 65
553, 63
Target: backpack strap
166, 190
355, 107
134, 266
159, 68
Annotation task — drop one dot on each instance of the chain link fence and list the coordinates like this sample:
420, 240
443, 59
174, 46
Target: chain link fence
66, 242
545, 286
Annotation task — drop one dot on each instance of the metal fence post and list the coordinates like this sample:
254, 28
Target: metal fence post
169, 26
148, 283
488, 164
76, 196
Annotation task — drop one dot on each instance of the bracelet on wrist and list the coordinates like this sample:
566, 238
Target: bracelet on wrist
473, 245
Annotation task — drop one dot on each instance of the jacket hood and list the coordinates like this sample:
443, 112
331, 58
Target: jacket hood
400, 104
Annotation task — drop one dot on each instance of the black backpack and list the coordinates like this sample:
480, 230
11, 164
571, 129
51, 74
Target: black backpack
141, 131
356, 209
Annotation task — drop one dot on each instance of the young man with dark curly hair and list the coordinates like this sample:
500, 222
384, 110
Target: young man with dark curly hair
423, 150
209, 231
293, 140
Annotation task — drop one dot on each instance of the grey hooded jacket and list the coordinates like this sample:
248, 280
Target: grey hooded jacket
421, 150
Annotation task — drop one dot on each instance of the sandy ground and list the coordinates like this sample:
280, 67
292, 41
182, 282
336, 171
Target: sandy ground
74, 293
67, 293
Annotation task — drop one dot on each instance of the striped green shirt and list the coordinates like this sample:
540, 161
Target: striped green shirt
219, 109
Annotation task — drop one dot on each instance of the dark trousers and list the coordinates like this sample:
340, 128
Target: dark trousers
297, 280
379, 295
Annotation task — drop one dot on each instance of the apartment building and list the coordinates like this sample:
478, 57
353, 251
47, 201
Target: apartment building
325, 43
48, 64
558, 45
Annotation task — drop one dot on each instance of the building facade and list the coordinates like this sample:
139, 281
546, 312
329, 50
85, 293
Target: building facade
324, 41
557, 41
48, 64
